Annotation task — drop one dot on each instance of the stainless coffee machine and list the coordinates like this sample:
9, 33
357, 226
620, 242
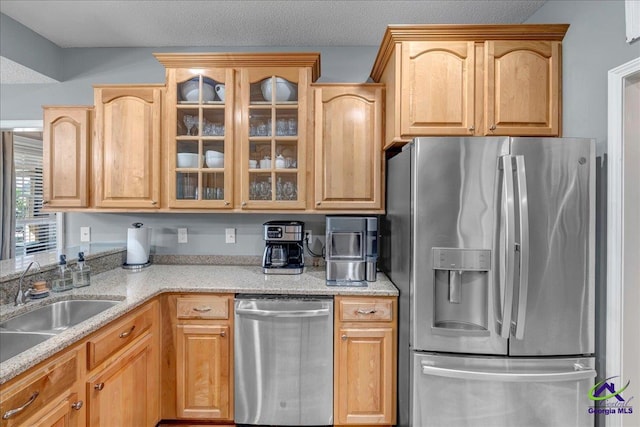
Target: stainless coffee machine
283, 252
351, 248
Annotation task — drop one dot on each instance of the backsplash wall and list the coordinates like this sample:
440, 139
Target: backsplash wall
205, 231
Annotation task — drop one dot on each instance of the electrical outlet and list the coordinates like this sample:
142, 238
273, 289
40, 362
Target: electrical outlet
308, 235
85, 234
230, 235
182, 235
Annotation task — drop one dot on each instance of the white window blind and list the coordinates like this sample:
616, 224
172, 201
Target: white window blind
35, 230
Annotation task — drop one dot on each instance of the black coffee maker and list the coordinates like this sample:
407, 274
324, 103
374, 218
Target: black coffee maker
283, 252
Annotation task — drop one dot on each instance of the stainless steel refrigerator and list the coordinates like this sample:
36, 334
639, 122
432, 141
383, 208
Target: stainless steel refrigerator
491, 244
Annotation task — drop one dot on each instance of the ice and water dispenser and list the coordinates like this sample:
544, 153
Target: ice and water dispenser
461, 288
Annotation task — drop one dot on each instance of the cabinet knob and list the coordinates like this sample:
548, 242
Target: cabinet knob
244, 204
317, 203
223, 334
227, 203
98, 386
344, 337
77, 405
493, 127
153, 202
472, 128
45, 202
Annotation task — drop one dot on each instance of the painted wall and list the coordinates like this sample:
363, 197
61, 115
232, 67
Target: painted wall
594, 44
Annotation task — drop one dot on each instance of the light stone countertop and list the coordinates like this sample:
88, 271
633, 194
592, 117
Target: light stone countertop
135, 288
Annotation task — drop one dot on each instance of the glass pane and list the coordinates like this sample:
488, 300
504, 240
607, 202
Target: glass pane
260, 186
286, 186
260, 152
286, 154
213, 122
187, 155
187, 122
260, 122
287, 122
186, 186
213, 154
213, 186
200, 90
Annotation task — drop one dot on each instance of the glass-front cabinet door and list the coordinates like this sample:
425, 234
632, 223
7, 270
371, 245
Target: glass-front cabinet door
272, 138
200, 117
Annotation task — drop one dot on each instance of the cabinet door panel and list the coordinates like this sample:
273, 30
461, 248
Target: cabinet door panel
203, 360
128, 147
66, 156
437, 88
364, 364
348, 164
522, 88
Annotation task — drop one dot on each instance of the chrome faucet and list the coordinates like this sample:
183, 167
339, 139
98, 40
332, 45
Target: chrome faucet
21, 297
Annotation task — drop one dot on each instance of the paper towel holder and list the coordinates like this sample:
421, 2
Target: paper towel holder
137, 266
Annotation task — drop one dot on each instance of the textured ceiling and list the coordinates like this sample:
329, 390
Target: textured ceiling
99, 23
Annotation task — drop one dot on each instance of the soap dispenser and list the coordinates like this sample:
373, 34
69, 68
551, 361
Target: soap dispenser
82, 273
64, 281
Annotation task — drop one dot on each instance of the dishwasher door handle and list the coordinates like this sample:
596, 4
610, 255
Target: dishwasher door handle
284, 313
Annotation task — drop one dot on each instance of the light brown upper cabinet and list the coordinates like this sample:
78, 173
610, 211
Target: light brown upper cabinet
127, 140
348, 147
237, 129
471, 80
66, 137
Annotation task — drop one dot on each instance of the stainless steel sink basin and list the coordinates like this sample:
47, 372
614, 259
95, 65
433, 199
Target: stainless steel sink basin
13, 343
56, 317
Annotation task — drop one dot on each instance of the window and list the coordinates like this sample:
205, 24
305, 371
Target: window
35, 230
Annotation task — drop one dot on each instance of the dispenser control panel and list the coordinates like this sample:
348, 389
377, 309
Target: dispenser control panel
461, 259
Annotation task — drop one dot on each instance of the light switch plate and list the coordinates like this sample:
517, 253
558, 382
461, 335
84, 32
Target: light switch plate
85, 234
230, 235
182, 235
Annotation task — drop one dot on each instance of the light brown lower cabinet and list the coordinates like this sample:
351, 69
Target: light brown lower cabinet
198, 357
365, 361
123, 378
120, 395
44, 396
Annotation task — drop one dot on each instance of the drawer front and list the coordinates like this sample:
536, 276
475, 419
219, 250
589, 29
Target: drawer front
38, 391
116, 337
374, 310
203, 307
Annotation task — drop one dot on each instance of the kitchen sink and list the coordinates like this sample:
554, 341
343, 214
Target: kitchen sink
33, 327
13, 343
57, 317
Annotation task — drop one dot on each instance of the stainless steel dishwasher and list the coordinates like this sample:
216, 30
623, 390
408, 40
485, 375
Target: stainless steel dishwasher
283, 360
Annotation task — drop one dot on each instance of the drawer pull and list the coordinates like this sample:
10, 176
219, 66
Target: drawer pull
98, 386
223, 334
344, 337
77, 405
202, 309
126, 334
369, 311
10, 413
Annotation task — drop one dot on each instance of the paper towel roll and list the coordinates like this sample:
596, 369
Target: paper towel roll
138, 244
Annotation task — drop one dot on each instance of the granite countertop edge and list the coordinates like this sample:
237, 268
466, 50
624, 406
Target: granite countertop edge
134, 288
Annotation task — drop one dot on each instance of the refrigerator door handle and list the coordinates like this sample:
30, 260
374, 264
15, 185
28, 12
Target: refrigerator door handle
507, 281
523, 212
462, 374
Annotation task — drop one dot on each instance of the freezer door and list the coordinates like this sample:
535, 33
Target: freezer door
501, 392
456, 286
556, 314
